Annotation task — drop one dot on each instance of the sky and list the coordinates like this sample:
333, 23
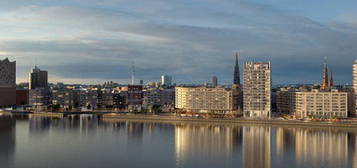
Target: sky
94, 41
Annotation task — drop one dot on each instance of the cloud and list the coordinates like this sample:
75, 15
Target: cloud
191, 40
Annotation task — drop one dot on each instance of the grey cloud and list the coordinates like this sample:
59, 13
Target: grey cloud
189, 41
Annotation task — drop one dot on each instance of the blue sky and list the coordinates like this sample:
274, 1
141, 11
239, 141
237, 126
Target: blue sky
94, 41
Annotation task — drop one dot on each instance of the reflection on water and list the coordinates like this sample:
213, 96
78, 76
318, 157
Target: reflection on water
7, 140
205, 142
256, 147
108, 143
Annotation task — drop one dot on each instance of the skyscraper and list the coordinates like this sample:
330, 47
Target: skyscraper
38, 78
257, 89
355, 84
214, 81
236, 79
7, 82
166, 80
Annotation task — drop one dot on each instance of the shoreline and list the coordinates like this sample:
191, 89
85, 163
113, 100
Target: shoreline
238, 121
176, 119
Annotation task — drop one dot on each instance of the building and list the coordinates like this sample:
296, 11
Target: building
166, 80
39, 98
313, 103
134, 97
214, 81
355, 85
257, 89
7, 83
286, 101
22, 97
88, 98
159, 97
65, 98
38, 78
198, 100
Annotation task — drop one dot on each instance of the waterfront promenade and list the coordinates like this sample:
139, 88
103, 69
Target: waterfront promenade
109, 116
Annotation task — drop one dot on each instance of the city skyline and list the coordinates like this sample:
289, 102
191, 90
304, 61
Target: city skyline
97, 41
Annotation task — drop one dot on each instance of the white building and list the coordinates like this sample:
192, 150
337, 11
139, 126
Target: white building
257, 89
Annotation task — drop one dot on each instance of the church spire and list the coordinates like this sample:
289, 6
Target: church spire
236, 79
330, 81
325, 79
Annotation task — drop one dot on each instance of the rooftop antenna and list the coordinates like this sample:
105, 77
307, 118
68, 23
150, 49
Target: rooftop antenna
133, 73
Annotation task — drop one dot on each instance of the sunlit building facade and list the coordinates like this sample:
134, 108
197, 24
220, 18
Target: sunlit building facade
257, 89
313, 103
207, 100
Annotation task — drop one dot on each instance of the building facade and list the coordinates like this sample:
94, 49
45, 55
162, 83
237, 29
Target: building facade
207, 100
257, 89
7, 82
355, 85
65, 98
160, 97
38, 78
313, 103
39, 98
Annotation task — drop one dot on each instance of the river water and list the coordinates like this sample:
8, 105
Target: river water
88, 142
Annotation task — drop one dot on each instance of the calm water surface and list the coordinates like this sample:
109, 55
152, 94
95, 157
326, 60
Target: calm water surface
89, 142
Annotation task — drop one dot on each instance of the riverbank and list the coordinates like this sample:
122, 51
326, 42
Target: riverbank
176, 119
238, 121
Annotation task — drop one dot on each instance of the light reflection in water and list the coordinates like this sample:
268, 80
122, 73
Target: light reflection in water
143, 144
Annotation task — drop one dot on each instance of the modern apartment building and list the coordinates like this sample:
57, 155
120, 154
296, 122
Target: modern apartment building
7, 82
207, 100
257, 89
313, 103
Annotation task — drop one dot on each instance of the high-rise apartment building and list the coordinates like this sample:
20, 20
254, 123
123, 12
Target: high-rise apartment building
257, 89
7, 82
355, 85
38, 78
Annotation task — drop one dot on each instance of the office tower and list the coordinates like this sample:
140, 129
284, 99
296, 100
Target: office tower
236, 78
214, 81
38, 78
355, 85
166, 80
206, 100
257, 89
7, 82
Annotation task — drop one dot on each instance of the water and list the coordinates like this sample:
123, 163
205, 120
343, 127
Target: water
89, 142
